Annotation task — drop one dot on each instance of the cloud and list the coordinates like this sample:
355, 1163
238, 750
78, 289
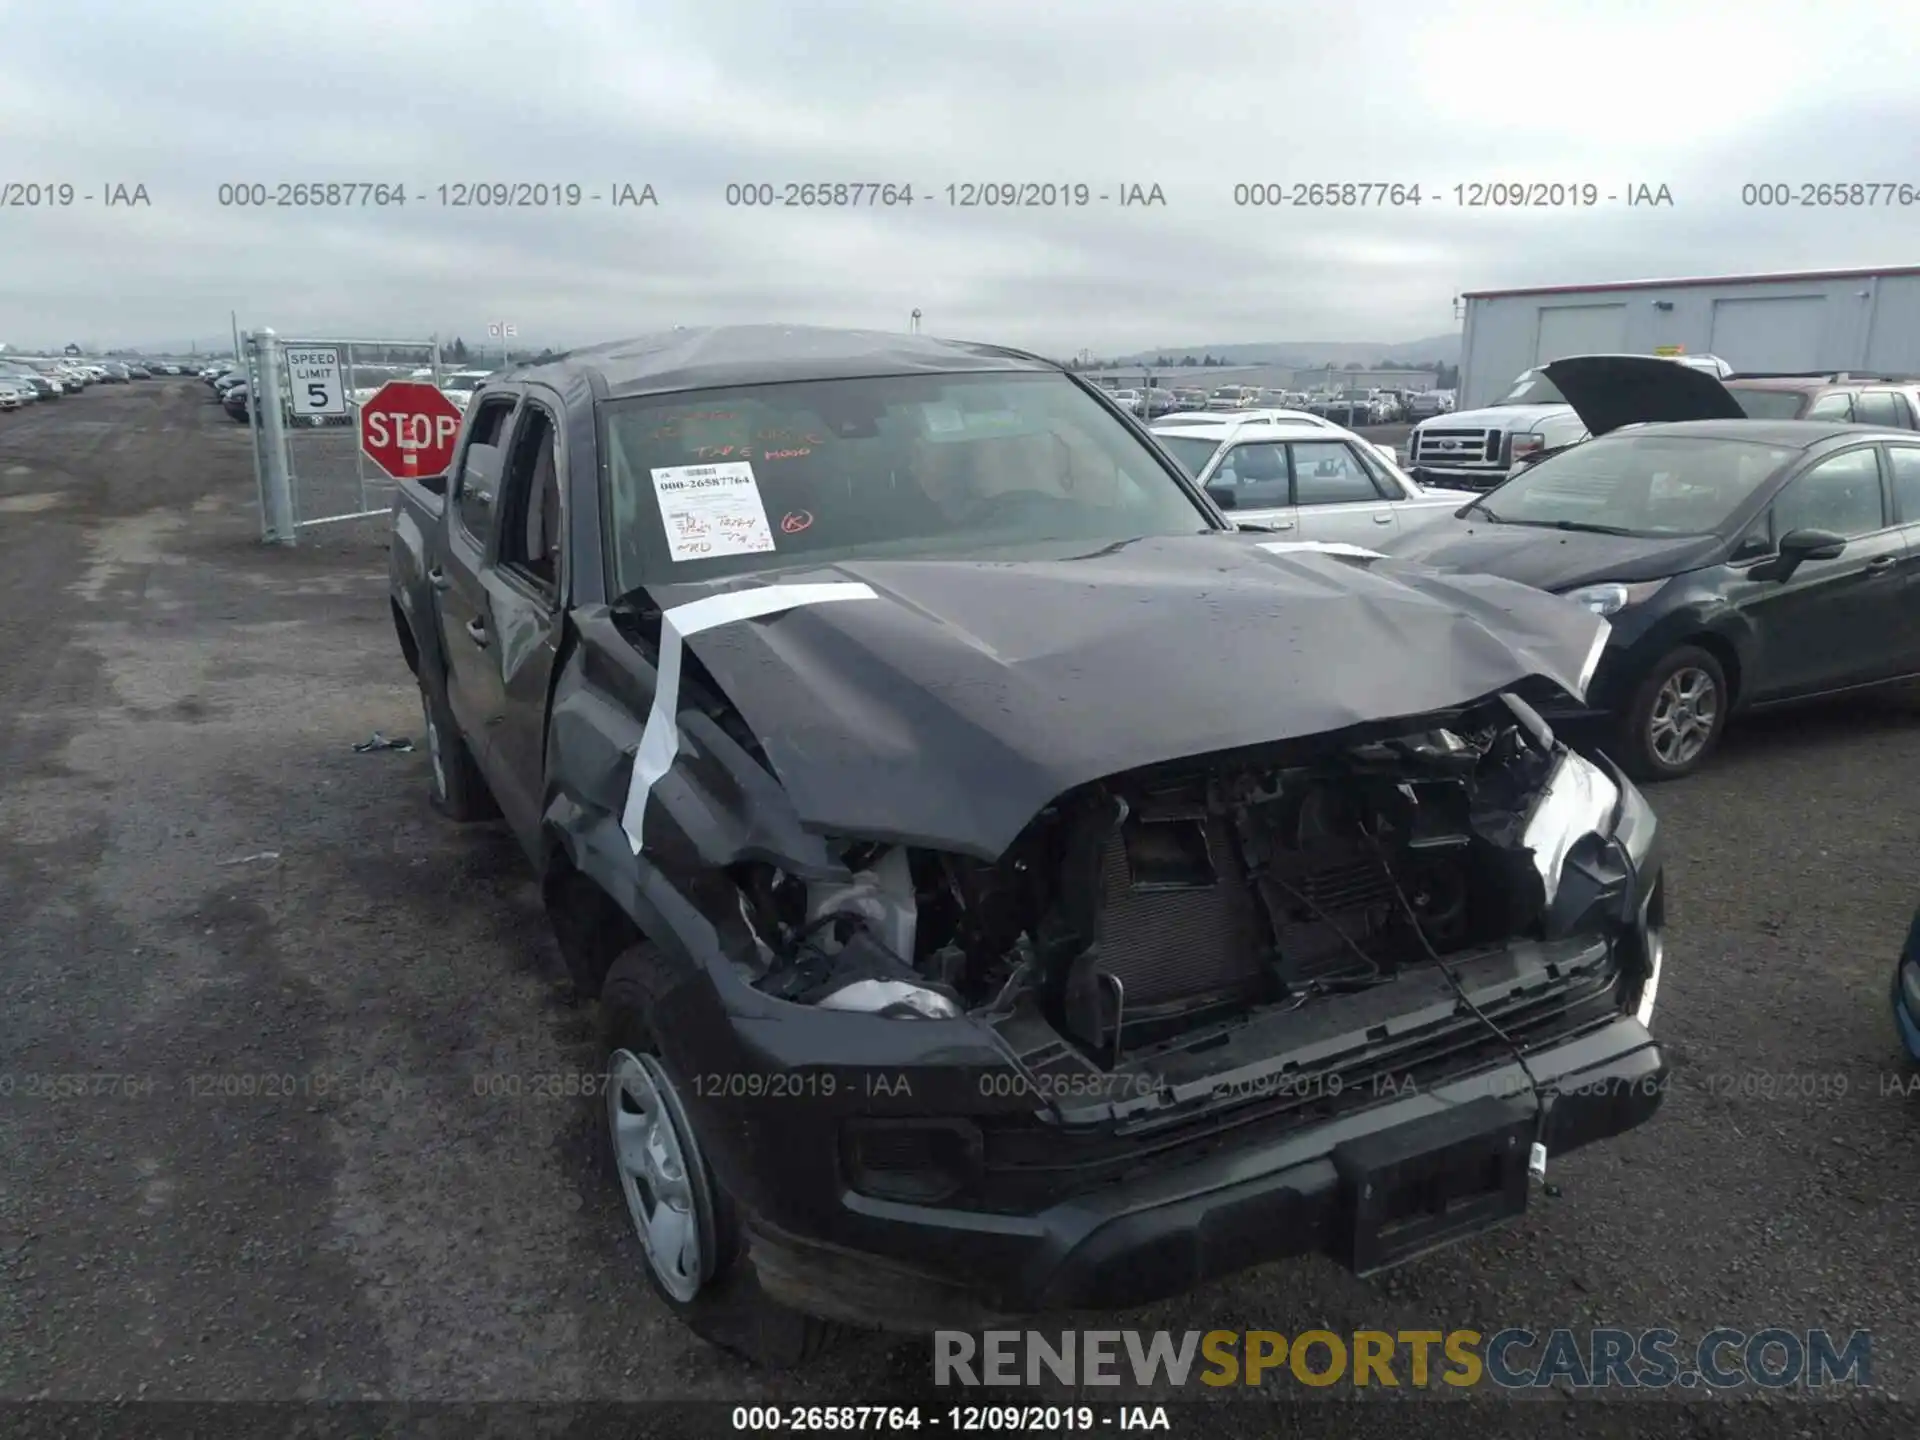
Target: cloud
690, 98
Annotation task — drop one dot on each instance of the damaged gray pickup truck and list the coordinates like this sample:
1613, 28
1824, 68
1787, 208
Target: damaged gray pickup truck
1007, 887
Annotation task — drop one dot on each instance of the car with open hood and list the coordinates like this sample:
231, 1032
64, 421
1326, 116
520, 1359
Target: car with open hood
1475, 449
1006, 887
1743, 564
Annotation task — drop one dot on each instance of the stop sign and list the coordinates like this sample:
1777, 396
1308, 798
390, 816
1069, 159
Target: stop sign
408, 428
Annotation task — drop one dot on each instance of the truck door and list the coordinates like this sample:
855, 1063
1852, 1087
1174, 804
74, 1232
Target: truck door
460, 598
1337, 497
524, 612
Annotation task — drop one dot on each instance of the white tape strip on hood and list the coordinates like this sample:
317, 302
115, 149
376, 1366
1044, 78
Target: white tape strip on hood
1325, 547
660, 741
1593, 656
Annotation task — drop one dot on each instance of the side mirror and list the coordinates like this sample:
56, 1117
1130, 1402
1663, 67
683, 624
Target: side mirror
1223, 496
1797, 547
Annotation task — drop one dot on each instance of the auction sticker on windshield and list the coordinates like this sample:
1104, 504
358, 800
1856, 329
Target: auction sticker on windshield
711, 510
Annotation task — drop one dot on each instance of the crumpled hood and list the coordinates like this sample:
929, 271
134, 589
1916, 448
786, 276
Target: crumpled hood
963, 696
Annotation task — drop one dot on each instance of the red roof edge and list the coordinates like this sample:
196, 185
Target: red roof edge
1788, 277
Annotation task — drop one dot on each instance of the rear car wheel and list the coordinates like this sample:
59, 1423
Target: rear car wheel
459, 791
696, 1253
1676, 716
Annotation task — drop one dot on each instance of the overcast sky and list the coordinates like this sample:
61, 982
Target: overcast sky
1191, 95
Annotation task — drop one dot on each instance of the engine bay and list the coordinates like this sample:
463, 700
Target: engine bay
1146, 905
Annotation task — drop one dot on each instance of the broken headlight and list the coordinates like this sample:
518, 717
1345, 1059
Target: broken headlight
1579, 799
853, 946
894, 999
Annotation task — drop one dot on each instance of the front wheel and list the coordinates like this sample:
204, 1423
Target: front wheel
698, 1258
1676, 716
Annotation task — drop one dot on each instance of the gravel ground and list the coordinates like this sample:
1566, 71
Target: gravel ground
200, 881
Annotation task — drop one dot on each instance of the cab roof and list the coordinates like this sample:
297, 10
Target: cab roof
719, 356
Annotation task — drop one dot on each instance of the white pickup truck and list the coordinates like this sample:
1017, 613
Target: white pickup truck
1475, 449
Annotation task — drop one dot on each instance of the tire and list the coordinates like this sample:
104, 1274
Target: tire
717, 1295
1689, 684
456, 787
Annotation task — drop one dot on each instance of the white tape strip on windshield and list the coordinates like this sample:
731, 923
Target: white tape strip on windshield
1325, 547
660, 741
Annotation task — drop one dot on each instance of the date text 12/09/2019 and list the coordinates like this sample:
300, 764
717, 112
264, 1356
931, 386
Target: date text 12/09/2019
959, 1419
450, 195
965, 195
1473, 195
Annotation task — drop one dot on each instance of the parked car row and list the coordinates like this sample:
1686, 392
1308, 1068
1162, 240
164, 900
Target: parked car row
1350, 408
228, 380
25, 380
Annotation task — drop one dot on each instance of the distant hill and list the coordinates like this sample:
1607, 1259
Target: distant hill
1309, 354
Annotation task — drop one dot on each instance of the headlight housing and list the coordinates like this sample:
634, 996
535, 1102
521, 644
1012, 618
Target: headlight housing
1579, 800
1611, 597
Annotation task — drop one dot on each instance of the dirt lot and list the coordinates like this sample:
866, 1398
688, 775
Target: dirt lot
201, 881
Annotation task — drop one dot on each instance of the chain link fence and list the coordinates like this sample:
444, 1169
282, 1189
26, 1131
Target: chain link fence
319, 386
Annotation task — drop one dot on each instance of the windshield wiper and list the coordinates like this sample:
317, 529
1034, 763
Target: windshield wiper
1591, 529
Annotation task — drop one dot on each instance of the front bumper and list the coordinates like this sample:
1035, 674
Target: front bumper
920, 1267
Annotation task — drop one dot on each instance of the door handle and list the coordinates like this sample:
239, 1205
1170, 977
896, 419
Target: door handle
1283, 525
437, 578
477, 632
1880, 563
1386, 519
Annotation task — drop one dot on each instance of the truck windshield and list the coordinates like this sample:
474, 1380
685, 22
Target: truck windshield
727, 482
1532, 388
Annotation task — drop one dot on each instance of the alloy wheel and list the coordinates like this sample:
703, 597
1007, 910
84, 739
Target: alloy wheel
1684, 715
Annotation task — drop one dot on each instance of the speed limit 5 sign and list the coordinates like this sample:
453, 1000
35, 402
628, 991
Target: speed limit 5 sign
317, 387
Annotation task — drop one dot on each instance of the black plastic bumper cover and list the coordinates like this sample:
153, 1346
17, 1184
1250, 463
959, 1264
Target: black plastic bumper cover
1164, 1234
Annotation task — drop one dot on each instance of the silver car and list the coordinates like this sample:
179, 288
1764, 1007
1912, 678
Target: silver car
14, 394
1306, 479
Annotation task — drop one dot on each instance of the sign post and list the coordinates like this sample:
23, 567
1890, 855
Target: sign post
503, 331
263, 406
408, 429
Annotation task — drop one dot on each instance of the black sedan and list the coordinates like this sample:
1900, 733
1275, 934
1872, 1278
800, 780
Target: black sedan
1743, 564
